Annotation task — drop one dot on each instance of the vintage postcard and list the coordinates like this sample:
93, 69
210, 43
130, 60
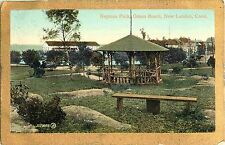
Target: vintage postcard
112, 72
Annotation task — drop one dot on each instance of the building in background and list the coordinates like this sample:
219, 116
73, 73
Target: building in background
69, 45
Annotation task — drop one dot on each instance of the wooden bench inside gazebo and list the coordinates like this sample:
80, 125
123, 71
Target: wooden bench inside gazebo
145, 74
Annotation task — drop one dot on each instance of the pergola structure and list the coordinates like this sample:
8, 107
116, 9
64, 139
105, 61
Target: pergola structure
135, 74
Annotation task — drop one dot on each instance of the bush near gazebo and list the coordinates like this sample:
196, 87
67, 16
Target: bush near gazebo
174, 55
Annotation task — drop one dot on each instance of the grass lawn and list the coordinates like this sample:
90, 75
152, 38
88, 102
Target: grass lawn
202, 69
173, 117
207, 71
45, 86
22, 72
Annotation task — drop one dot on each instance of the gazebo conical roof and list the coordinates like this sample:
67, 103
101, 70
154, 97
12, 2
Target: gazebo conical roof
131, 43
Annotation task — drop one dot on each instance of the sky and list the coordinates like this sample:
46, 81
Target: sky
105, 26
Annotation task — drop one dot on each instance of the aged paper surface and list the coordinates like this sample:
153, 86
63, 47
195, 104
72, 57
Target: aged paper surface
9, 138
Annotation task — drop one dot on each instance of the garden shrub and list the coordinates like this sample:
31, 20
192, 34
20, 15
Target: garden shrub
33, 110
18, 93
191, 62
176, 69
89, 125
39, 72
164, 71
36, 112
191, 119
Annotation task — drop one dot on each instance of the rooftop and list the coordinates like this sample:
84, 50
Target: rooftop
72, 43
131, 43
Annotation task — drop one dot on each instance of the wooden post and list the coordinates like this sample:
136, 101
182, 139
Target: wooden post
103, 66
119, 104
153, 106
111, 61
149, 58
158, 65
130, 65
152, 61
108, 71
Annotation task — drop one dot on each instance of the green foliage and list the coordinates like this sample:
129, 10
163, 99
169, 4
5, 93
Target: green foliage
66, 25
97, 59
190, 120
48, 85
37, 112
200, 51
88, 125
142, 58
30, 56
121, 59
18, 92
191, 62
38, 69
81, 57
39, 72
170, 119
33, 110
174, 55
211, 62
164, 71
15, 57
177, 69
56, 56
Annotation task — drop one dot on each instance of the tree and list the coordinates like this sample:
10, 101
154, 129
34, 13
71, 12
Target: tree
121, 59
211, 62
97, 59
191, 62
200, 50
15, 57
56, 56
66, 25
175, 55
38, 68
30, 56
82, 57
143, 33
142, 58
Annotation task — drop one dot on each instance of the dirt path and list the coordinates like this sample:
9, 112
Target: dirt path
93, 77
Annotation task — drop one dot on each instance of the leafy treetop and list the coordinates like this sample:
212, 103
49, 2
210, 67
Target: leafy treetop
66, 25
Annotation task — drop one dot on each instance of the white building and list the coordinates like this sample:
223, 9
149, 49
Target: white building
69, 45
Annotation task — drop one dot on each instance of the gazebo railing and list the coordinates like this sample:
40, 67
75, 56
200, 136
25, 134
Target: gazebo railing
139, 76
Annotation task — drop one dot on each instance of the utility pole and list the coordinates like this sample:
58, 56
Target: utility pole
130, 22
169, 31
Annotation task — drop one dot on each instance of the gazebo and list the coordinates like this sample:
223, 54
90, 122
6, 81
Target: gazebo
142, 74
